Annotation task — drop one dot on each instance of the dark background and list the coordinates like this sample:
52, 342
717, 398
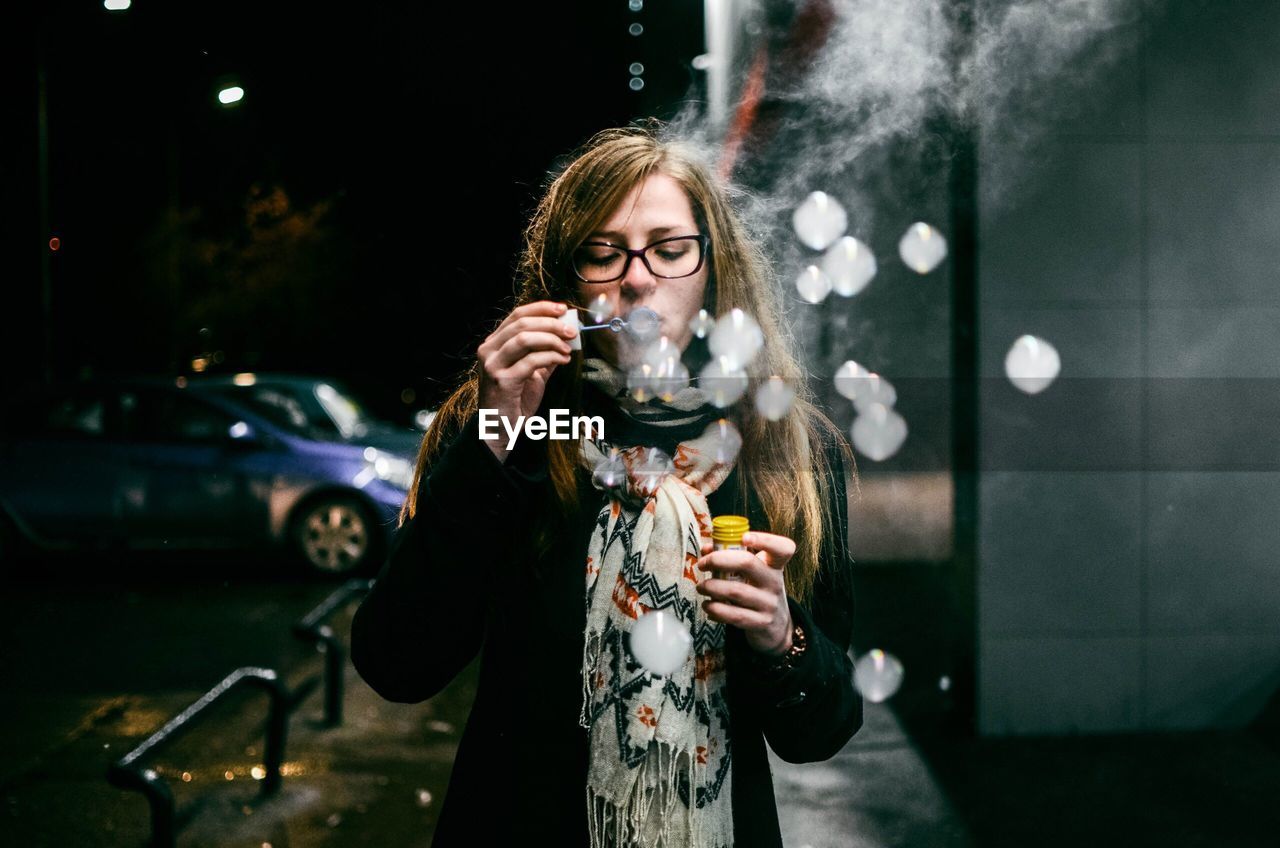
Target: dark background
356, 215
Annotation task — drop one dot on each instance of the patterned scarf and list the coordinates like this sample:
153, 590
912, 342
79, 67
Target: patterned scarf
654, 742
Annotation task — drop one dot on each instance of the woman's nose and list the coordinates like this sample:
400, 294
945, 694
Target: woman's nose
638, 279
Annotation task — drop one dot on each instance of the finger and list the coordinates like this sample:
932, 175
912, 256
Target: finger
524, 343
729, 614
501, 337
775, 550
741, 562
538, 308
523, 369
740, 594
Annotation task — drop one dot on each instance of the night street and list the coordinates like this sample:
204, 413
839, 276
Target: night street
99, 656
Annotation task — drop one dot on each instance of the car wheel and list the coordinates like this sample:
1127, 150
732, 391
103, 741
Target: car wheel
334, 535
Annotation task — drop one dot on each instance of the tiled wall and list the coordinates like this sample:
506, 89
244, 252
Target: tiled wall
1129, 539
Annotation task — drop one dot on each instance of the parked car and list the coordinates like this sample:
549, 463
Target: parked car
246, 462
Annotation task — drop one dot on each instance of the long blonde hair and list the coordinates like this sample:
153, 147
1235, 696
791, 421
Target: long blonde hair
578, 201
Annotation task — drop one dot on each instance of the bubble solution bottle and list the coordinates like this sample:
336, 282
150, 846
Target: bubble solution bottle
726, 535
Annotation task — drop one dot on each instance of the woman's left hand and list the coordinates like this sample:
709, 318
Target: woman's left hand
757, 601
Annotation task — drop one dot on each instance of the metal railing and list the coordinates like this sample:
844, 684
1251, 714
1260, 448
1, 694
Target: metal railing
130, 773
313, 628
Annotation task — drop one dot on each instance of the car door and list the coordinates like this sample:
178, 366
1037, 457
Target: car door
181, 487
60, 467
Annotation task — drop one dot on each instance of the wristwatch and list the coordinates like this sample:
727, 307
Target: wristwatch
787, 661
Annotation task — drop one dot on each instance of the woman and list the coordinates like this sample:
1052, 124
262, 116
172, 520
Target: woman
491, 547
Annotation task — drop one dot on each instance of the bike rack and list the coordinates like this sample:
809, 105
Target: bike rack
128, 772
312, 628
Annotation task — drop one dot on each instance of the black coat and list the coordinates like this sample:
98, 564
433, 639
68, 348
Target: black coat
460, 576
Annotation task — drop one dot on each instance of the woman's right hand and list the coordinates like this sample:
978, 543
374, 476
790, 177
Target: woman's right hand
517, 359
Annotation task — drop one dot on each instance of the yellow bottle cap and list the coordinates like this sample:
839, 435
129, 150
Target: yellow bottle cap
728, 529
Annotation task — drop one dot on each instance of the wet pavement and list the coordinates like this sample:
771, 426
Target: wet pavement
94, 662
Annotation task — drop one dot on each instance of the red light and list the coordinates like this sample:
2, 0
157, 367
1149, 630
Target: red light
55, 243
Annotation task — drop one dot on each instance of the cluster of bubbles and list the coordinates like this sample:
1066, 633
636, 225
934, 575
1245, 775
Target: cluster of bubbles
847, 265
878, 431
659, 642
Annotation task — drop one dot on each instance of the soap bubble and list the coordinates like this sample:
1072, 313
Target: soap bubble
652, 468
659, 352
601, 310
773, 398
922, 248
874, 389
819, 220
813, 284
850, 265
877, 675
723, 381
640, 382
642, 322
668, 381
737, 337
611, 472
702, 323
659, 372
660, 642
725, 439
878, 432
850, 378
1032, 364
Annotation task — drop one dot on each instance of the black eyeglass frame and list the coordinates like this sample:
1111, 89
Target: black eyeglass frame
704, 242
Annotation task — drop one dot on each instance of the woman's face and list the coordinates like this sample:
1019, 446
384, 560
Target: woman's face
656, 209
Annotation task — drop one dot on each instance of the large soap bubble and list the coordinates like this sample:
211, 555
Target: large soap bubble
601, 310
723, 381
669, 378
877, 675
813, 285
850, 265
922, 248
643, 323
725, 440
702, 323
736, 337
641, 379
878, 432
850, 377
651, 469
774, 398
819, 220
611, 472
874, 389
1032, 364
660, 372
660, 642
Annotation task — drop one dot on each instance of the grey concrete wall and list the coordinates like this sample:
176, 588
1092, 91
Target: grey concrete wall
1129, 539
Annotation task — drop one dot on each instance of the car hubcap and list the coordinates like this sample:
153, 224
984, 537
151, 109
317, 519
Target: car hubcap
334, 537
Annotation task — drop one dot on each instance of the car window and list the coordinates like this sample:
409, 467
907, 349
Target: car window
171, 417
279, 407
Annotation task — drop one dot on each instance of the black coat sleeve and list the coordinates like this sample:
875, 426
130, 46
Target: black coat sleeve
423, 620
811, 711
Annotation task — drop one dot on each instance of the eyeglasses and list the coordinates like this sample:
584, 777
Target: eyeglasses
669, 259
